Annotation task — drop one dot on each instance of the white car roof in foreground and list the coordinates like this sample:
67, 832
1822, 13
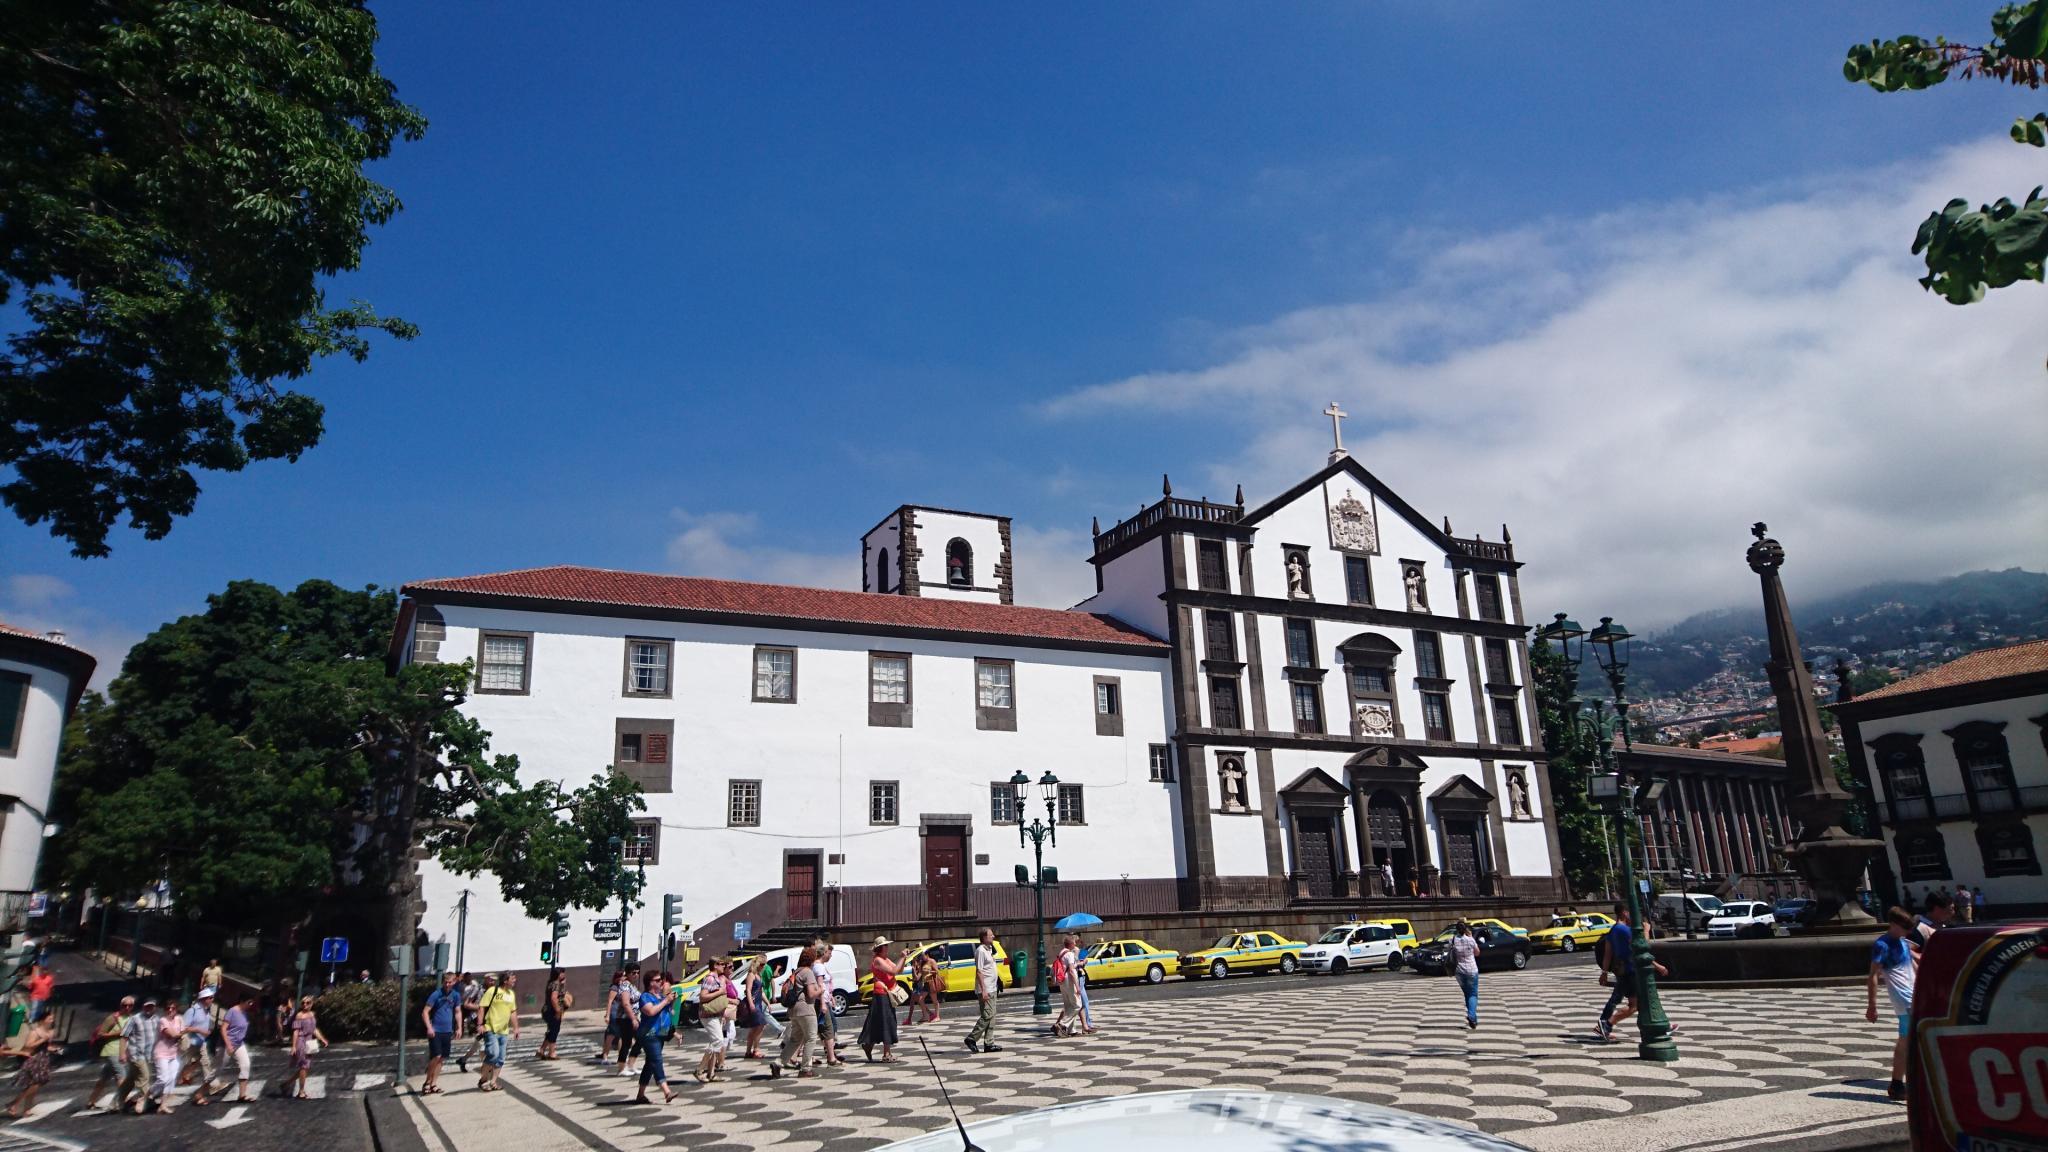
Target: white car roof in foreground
1213, 1118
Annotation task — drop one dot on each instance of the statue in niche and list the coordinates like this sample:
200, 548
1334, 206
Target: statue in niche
1297, 574
1518, 795
1411, 578
1231, 777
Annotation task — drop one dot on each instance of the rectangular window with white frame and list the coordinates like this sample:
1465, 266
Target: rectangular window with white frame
1436, 715
743, 803
643, 844
1002, 802
1162, 763
1109, 706
774, 675
882, 802
504, 663
1308, 706
647, 666
995, 695
889, 689
1070, 809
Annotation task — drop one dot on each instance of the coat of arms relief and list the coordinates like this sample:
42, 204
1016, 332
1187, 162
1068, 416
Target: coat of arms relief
1351, 526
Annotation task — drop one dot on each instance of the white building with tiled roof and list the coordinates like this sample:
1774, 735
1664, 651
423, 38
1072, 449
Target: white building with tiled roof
1957, 762
41, 678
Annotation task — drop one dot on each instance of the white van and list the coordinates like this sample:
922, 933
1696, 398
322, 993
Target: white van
1671, 908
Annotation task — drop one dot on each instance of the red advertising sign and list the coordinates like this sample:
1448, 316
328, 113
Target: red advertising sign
1978, 1065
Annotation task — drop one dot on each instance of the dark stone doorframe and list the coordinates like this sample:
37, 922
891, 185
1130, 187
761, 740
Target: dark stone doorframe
926, 821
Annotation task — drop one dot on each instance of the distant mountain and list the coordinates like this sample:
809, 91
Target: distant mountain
1898, 625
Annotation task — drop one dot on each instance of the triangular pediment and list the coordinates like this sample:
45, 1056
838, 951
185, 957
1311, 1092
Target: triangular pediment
1462, 789
1316, 783
1388, 499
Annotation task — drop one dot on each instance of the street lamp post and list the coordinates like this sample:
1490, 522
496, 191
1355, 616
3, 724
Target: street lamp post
1611, 646
619, 854
1038, 834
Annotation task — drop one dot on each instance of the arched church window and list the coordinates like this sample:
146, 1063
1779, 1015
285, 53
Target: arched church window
882, 572
959, 564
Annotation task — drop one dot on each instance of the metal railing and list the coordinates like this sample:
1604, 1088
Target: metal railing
1169, 508
1959, 805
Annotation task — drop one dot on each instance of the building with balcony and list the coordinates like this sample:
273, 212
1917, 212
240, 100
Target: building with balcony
1957, 763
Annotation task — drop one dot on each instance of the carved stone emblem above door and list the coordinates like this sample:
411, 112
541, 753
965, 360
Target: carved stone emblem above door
1351, 526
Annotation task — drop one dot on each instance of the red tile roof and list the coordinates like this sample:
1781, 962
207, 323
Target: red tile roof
1977, 667
571, 585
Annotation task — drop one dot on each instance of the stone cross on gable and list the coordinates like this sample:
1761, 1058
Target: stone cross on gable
1336, 415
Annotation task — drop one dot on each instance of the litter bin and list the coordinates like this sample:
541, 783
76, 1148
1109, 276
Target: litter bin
1020, 968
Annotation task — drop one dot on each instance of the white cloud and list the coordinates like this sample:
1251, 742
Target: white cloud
1051, 564
1630, 391
42, 603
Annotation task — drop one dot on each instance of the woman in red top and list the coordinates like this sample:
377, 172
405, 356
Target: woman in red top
42, 984
881, 1025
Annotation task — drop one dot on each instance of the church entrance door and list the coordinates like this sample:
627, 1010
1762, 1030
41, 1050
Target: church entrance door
1461, 853
1386, 823
945, 869
1315, 854
800, 885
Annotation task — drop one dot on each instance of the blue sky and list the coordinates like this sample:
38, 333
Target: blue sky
712, 287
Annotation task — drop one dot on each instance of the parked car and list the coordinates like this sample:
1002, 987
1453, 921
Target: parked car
1570, 932
1355, 945
956, 966
1670, 909
1498, 948
1792, 911
1243, 952
1129, 960
1743, 918
1403, 930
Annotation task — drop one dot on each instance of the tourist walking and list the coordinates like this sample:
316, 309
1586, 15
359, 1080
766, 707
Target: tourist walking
1894, 960
42, 987
138, 1048
880, 1027
34, 1054
828, 1024
657, 1009
754, 1015
718, 1006
234, 1036
106, 1048
629, 994
987, 986
442, 1014
1465, 965
800, 997
1964, 910
170, 1033
1087, 1013
212, 975
307, 1041
472, 1005
930, 982
554, 1002
1065, 974
497, 1013
1618, 969
195, 1060
1941, 911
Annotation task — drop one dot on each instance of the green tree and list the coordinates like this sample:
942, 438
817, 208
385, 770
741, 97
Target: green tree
177, 180
259, 757
1972, 250
1574, 754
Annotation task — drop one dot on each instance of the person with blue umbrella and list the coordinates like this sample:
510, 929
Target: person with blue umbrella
1079, 975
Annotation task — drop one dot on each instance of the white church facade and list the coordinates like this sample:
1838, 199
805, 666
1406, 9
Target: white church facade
1318, 701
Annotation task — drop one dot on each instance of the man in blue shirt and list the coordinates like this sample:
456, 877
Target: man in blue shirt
1618, 967
443, 1017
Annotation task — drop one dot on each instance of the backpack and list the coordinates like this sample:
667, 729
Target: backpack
791, 993
1059, 968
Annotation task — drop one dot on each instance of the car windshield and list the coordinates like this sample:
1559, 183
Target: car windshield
1446, 934
1225, 942
1709, 903
1564, 921
1334, 936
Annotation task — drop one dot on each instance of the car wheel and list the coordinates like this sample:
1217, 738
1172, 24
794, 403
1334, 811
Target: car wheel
1219, 969
1339, 966
839, 1002
1394, 961
1521, 960
1569, 945
1155, 975
1289, 964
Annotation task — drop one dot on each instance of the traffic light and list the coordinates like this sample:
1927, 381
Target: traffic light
547, 952
560, 925
671, 913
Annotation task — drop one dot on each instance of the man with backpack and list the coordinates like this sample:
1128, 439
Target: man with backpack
1618, 968
106, 1046
497, 1022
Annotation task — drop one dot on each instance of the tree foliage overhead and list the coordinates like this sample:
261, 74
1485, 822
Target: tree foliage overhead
1574, 753
258, 757
176, 179
1972, 250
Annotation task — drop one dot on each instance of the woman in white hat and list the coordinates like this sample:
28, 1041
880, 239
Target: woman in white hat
881, 1024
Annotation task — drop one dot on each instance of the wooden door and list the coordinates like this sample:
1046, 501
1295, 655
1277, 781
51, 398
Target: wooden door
800, 885
945, 869
1315, 853
1461, 853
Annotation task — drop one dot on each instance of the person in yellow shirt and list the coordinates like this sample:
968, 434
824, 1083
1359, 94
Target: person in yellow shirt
498, 1019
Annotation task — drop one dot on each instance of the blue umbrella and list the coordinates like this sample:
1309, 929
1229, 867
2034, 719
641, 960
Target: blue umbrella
1077, 920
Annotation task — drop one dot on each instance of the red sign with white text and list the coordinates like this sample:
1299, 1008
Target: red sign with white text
1979, 1059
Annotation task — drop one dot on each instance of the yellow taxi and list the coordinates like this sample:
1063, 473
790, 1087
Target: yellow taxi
1243, 952
956, 967
1503, 925
1404, 932
1571, 932
1130, 960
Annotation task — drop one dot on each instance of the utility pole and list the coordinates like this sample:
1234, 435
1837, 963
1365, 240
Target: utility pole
461, 927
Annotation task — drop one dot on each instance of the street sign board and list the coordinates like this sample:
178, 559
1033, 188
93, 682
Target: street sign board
607, 929
38, 904
334, 950
1644, 885
742, 931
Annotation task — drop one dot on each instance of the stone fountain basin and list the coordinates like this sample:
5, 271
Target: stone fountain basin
1840, 956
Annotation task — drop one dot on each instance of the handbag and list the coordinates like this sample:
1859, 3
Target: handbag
312, 1046
713, 1002
899, 995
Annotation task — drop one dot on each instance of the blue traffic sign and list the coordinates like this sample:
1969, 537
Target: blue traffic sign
742, 931
334, 950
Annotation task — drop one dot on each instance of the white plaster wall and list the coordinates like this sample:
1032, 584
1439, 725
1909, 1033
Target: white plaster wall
1132, 585
888, 534
1528, 848
815, 759
1966, 864
30, 772
934, 531
1944, 775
